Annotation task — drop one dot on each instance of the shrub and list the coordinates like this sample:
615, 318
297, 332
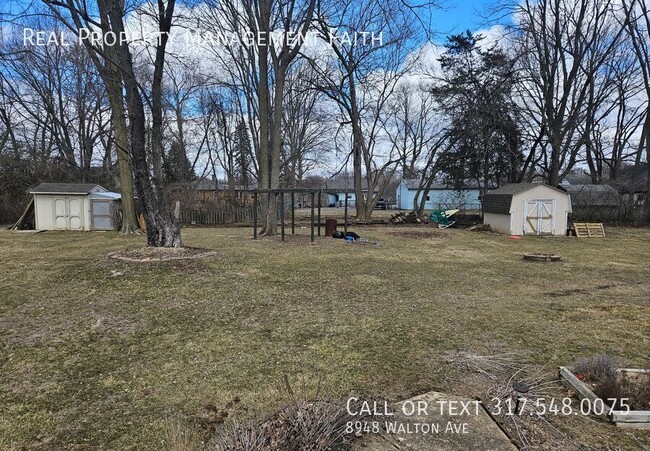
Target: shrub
597, 369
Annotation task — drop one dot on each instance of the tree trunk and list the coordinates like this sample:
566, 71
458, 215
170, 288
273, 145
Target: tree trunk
121, 138
264, 150
162, 230
112, 82
646, 204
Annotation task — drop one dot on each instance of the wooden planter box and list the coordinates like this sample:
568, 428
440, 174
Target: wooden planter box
635, 419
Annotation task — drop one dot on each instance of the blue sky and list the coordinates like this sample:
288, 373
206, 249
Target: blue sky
454, 16
457, 16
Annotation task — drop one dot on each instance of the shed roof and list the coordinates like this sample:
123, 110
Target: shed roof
516, 188
106, 195
497, 203
65, 188
499, 200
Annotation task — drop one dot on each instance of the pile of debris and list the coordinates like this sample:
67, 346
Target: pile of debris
406, 218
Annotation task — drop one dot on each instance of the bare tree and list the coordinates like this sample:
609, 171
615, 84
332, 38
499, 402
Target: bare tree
420, 138
563, 45
616, 116
162, 229
637, 19
307, 126
278, 30
119, 135
362, 76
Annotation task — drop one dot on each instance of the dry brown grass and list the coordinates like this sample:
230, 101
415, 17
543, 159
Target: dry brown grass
181, 434
94, 351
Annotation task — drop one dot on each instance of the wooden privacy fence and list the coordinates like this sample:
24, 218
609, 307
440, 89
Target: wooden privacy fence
211, 217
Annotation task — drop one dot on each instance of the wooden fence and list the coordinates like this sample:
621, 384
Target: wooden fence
212, 217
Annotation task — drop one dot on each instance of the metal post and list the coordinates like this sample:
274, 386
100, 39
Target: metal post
312, 216
293, 213
345, 217
320, 193
255, 215
282, 215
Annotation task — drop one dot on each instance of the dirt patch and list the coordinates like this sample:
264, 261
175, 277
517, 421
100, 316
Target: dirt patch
420, 234
298, 238
572, 291
159, 254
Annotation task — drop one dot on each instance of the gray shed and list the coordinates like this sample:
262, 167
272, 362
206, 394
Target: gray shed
527, 209
75, 206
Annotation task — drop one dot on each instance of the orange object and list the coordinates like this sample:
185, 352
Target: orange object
142, 223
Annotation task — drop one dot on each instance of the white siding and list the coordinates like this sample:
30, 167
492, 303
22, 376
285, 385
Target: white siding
513, 223
541, 192
44, 210
498, 222
86, 210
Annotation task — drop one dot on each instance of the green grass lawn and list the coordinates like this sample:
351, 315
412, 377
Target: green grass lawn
96, 352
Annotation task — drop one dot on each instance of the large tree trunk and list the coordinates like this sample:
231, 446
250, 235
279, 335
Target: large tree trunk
646, 204
121, 138
357, 143
164, 24
112, 82
264, 151
554, 167
162, 230
276, 150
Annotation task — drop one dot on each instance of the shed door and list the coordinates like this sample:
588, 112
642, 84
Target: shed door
100, 214
60, 214
68, 213
74, 213
539, 217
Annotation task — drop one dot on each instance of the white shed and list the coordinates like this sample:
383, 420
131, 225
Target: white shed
527, 209
75, 206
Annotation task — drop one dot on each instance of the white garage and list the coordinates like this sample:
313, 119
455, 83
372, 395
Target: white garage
75, 206
527, 209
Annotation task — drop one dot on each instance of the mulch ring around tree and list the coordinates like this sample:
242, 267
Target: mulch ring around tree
160, 254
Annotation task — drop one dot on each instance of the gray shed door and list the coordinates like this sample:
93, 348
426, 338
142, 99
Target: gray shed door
539, 217
100, 213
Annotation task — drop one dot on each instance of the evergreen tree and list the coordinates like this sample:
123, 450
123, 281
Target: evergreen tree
242, 150
177, 166
475, 94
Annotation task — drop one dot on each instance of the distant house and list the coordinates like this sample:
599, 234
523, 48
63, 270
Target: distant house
209, 190
441, 196
577, 176
336, 194
593, 196
75, 206
527, 209
632, 184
